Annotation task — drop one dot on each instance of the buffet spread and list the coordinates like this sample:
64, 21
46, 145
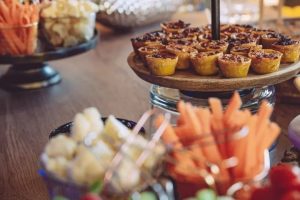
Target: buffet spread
210, 153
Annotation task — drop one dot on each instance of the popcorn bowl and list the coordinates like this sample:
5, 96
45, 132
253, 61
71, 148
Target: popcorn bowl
18, 40
117, 176
68, 31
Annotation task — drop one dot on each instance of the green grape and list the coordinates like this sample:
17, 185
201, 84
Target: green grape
206, 194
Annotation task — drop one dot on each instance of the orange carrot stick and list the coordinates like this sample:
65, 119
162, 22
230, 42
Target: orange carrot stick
204, 116
192, 117
169, 136
217, 115
235, 103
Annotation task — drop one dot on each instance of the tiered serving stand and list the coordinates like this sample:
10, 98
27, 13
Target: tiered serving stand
166, 91
32, 71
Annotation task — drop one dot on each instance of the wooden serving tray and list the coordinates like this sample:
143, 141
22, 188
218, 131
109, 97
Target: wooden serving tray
190, 81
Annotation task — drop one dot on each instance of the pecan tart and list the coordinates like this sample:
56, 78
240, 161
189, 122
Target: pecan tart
148, 39
270, 38
148, 50
290, 49
162, 63
212, 45
206, 63
242, 39
208, 36
174, 27
265, 61
183, 52
192, 32
234, 66
244, 50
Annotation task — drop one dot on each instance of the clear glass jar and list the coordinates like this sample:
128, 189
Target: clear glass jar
18, 40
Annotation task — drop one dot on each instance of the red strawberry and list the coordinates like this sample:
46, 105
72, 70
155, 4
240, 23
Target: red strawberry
264, 193
292, 195
90, 196
284, 177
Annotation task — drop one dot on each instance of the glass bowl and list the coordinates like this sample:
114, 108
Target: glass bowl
18, 40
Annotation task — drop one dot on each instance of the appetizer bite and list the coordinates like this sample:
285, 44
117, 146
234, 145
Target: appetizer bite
68, 23
162, 63
212, 45
289, 48
206, 63
174, 27
183, 52
100, 152
148, 50
265, 61
270, 38
148, 39
234, 66
244, 50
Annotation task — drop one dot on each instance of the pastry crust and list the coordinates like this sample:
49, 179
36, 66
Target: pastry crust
183, 52
206, 63
234, 66
265, 61
162, 63
289, 48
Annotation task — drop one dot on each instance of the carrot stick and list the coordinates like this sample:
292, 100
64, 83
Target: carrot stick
235, 103
183, 114
217, 115
192, 117
204, 116
169, 136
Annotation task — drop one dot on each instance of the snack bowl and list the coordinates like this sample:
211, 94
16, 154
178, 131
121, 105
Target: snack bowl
127, 166
18, 40
68, 31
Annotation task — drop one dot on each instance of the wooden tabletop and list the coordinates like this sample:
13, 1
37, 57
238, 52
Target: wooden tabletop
99, 78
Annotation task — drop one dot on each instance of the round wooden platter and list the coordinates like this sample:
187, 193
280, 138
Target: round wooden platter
188, 80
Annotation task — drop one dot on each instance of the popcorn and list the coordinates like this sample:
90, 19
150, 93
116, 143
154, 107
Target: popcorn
68, 23
61, 146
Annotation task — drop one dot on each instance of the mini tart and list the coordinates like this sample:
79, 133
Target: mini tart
148, 50
162, 63
245, 39
206, 63
265, 61
212, 45
234, 66
290, 49
192, 32
207, 36
244, 50
148, 39
183, 52
180, 36
270, 38
174, 27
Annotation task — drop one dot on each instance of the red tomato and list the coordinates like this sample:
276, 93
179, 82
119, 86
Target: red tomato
292, 195
90, 196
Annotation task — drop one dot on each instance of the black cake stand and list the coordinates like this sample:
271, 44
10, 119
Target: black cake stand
32, 72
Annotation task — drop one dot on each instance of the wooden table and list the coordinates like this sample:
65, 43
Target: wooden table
99, 78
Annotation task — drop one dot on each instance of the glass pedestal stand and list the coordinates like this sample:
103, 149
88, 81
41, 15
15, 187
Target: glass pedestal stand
166, 99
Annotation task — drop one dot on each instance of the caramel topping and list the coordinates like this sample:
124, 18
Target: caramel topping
285, 41
266, 54
176, 25
176, 36
234, 58
164, 55
150, 48
181, 48
208, 36
245, 49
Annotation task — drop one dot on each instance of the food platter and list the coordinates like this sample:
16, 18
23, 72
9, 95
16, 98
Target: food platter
189, 81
